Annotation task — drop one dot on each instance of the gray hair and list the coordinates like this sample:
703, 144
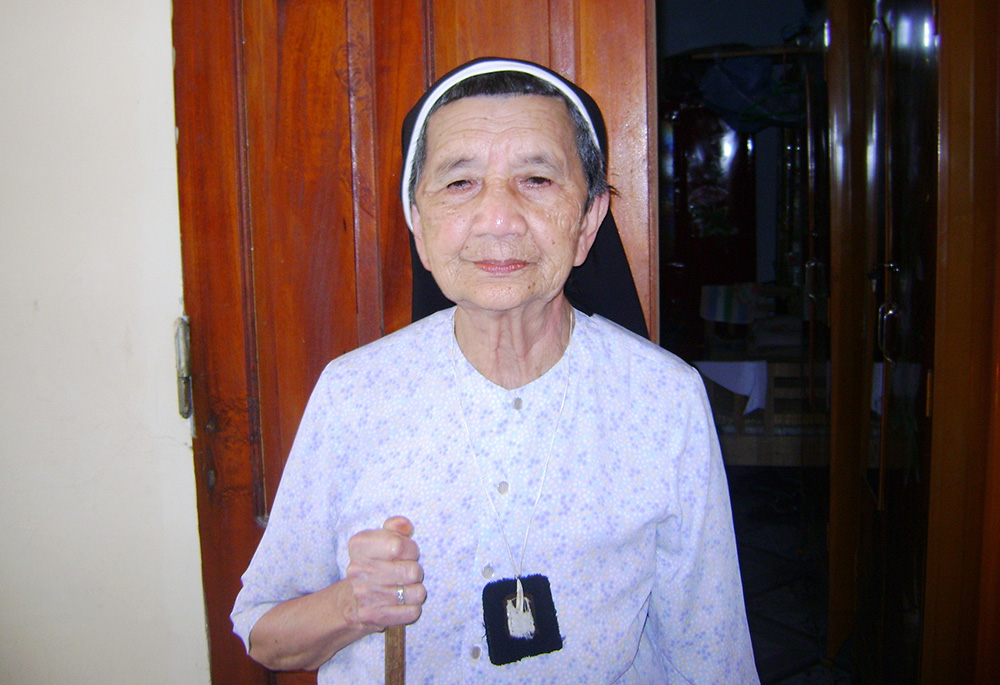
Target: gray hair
512, 83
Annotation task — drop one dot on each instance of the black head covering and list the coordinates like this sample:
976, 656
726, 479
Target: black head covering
603, 283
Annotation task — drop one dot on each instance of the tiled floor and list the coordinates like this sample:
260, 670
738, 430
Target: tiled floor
780, 519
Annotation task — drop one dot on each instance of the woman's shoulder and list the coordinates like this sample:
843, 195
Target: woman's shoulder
621, 347
411, 350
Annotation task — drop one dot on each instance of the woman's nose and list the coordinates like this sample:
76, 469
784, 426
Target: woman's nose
499, 211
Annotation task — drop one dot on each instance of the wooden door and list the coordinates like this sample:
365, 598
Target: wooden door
902, 125
962, 572
294, 245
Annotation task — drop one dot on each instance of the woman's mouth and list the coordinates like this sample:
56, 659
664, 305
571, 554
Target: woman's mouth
500, 267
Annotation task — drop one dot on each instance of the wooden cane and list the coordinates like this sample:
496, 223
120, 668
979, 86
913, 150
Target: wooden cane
395, 655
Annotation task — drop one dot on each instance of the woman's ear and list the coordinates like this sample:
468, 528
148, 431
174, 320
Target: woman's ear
418, 235
592, 220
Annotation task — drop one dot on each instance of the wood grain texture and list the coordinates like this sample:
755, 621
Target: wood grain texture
361, 97
850, 360
563, 37
395, 655
302, 201
966, 289
493, 28
399, 73
616, 67
988, 663
215, 282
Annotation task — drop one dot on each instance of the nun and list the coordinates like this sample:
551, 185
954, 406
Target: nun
519, 477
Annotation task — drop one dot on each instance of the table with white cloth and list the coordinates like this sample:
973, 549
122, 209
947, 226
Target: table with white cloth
769, 412
748, 378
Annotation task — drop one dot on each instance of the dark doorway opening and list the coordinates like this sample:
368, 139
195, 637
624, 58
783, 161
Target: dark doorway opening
744, 249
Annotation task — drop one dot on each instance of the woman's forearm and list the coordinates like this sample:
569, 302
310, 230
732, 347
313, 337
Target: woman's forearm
305, 632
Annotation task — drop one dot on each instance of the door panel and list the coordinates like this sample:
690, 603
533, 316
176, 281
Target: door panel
294, 245
903, 136
214, 241
965, 376
964, 294
399, 73
464, 30
299, 133
850, 353
615, 54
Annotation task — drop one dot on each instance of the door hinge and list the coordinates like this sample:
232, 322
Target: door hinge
182, 353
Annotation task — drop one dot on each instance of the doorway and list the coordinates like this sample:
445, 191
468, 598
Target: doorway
744, 248
216, 227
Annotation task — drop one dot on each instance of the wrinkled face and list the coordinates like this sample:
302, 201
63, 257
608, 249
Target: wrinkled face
498, 214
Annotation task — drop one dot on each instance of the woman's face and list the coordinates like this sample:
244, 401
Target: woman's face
499, 214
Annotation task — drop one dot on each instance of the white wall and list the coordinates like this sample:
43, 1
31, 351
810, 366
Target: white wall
99, 562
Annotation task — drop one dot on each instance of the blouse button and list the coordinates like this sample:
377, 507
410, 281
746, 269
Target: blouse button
487, 572
518, 403
475, 652
503, 487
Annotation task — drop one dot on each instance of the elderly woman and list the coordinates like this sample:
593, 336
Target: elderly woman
537, 490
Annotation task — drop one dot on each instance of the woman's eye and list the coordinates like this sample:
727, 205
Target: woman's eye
538, 181
460, 184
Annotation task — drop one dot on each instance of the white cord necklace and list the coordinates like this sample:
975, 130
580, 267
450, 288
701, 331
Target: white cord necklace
517, 567
521, 638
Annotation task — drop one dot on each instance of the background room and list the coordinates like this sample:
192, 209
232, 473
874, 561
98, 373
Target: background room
744, 242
